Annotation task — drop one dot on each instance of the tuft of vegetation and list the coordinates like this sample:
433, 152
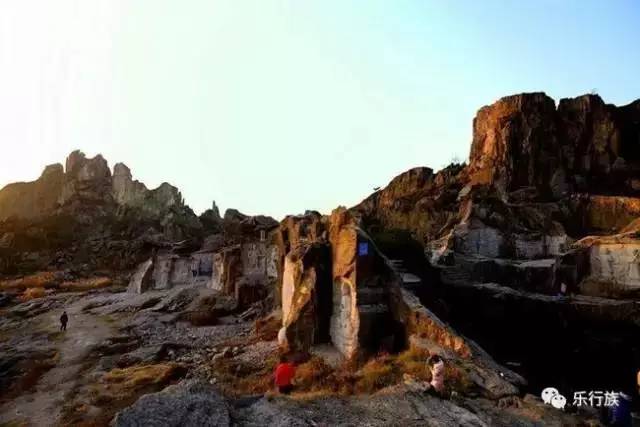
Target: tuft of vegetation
239, 378
123, 384
32, 293
314, 375
43, 279
86, 284
267, 328
117, 389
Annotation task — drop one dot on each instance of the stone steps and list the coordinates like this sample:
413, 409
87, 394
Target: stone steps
367, 296
409, 281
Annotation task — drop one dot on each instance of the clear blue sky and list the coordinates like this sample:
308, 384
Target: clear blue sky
280, 106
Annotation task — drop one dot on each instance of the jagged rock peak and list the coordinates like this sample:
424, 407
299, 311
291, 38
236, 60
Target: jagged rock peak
83, 181
120, 169
234, 215
82, 168
54, 169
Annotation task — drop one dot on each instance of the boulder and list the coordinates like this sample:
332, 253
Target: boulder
188, 404
306, 296
141, 281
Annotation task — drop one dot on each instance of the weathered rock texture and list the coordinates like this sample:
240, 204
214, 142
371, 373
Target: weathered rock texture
540, 178
241, 262
186, 404
334, 286
83, 215
584, 145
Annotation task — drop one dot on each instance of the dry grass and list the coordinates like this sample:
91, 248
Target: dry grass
313, 375
43, 279
123, 384
135, 377
32, 293
86, 284
239, 378
386, 370
118, 389
377, 373
314, 378
34, 285
267, 327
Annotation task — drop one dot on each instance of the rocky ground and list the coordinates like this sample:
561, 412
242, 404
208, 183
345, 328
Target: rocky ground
121, 346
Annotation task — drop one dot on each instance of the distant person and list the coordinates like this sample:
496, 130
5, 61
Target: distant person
63, 321
563, 289
436, 364
195, 269
562, 292
285, 371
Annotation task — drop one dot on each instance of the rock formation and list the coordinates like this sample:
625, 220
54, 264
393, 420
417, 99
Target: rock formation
85, 215
241, 261
512, 225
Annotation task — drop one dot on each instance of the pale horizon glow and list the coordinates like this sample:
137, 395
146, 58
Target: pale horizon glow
275, 107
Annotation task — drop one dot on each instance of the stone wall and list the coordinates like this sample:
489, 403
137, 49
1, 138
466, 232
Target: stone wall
335, 290
247, 271
164, 271
616, 263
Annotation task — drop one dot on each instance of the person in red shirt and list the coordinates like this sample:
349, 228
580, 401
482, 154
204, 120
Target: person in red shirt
285, 371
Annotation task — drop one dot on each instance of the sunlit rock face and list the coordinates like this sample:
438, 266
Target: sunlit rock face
335, 286
584, 145
511, 225
306, 293
32, 199
125, 190
511, 138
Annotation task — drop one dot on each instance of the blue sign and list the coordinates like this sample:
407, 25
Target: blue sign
363, 248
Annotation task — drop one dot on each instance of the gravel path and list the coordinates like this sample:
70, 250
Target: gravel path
43, 405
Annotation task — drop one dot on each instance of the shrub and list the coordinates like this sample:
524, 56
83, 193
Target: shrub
43, 279
313, 374
376, 374
413, 362
86, 284
32, 293
129, 379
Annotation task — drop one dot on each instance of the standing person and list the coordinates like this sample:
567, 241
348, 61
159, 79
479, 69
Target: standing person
63, 321
195, 269
285, 371
436, 364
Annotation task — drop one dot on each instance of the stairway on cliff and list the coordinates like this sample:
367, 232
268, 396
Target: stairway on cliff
410, 281
376, 320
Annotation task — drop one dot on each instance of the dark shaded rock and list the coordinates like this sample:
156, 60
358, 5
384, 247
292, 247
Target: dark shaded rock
184, 405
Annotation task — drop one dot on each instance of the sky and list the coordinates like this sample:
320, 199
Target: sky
276, 107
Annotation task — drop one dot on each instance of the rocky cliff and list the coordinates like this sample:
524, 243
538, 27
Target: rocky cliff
85, 215
511, 225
